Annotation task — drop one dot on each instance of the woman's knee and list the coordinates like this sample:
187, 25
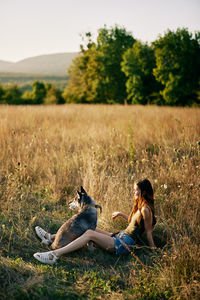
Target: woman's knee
89, 233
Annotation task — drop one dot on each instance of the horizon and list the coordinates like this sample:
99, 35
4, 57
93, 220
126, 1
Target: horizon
56, 27
34, 56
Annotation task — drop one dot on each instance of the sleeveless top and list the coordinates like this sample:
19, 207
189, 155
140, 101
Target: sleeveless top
133, 229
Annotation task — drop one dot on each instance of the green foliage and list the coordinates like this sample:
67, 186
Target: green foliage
12, 95
53, 95
111, 45
138, 63
96, 75
2, 93
118, 69
42, 93
39, 92
178, 66
27, 98
77, 90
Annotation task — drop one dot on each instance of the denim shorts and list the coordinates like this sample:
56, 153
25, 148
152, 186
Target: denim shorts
121, 241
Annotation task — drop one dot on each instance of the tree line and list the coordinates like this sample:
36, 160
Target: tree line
117, 68
42, 93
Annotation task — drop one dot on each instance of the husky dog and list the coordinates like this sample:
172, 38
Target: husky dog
85, 219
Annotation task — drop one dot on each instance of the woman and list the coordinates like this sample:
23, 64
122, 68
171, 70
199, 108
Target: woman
141, 219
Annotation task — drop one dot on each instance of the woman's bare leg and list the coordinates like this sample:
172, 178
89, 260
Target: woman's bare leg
102, 231
52, 236
101, 240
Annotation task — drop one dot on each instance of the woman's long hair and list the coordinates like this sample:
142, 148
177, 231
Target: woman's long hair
146, 197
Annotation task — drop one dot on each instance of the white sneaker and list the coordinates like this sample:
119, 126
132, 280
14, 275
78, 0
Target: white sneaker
46, 257
43, 235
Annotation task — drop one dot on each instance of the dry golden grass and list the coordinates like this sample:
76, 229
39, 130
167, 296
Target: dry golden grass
46, 153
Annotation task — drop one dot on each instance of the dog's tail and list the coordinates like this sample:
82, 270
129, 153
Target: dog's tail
98, 206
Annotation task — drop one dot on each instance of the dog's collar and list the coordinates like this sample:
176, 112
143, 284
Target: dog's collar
94, 205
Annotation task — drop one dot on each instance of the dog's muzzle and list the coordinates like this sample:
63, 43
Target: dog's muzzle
73, 205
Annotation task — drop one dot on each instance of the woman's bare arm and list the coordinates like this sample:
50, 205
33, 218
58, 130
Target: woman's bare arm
119, 214
147, 216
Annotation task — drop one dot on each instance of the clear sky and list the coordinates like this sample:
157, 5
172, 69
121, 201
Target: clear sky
34, 27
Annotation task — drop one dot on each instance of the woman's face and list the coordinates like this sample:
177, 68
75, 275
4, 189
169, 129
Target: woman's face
136, 191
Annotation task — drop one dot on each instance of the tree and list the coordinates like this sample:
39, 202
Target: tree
13, 95
138, 63
178, 66
2, 94
27, 98
39, 92
110, 80
96, 75
53, 95
77, 90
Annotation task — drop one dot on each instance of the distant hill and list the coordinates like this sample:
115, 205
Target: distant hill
5, 64
50, 64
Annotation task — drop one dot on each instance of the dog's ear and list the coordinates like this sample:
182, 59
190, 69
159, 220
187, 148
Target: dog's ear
83, 191
79, 193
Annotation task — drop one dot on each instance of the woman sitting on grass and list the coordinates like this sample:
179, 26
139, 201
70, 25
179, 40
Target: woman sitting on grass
140, 219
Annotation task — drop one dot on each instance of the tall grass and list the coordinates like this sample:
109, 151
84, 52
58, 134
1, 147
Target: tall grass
46, 153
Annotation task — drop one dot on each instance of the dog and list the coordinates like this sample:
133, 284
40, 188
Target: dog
85, 219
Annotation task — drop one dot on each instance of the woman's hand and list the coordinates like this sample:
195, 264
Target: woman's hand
116, 214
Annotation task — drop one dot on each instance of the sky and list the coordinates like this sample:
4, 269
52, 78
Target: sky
36, 27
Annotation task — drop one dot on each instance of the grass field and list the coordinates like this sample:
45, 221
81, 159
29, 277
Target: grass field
46, 153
